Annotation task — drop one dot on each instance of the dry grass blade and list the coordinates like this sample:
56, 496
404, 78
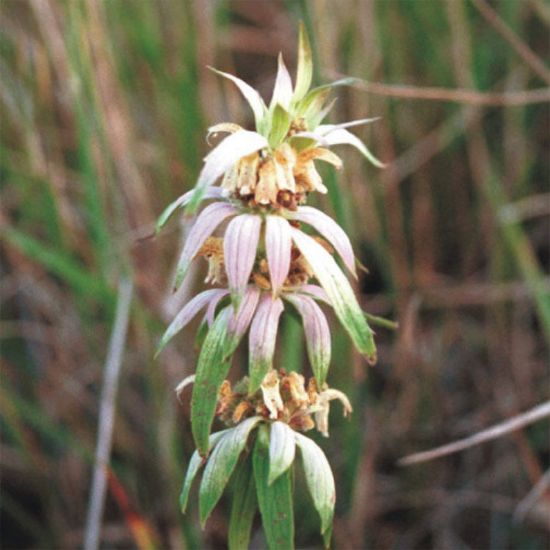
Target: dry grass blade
107, 414
458, 95
520, 47
512, 424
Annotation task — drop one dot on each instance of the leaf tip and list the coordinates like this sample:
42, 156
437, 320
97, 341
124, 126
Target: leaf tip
371, 358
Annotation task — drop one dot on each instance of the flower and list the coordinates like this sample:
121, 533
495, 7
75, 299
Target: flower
278, 236
275, 415
283, 397
280, 179
290, 265
260, 312
274, 164
280, 153
242, 239
267, 175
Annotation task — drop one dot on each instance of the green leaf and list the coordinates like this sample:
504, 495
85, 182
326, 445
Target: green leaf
282, 449
319, 479
221, 464
275, 500
304, 71
211, 371
201, 334
300, 143
193, 468
314, 119
327, 536
312, 104
243, 507
280, 124
340, 293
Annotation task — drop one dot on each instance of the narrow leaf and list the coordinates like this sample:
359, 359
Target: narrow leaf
312, 104
339, 292
211, 372
311, 107
193, 468
243, 507
327, 536
280, 124
220, 466
304, 70
263, 334
282, 448
275, 500
319, 479
346, 81
314, 118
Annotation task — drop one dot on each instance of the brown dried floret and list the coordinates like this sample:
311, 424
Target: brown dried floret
212, 250
282, 396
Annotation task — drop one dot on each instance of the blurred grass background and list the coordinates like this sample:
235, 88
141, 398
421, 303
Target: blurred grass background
104, 110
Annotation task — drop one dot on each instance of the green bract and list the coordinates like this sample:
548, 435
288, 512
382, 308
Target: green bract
294, 114
261, 474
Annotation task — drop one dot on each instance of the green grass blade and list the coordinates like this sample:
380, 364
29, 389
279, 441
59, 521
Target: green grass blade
60, 264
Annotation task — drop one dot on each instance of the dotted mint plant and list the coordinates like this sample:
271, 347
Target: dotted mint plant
250, 208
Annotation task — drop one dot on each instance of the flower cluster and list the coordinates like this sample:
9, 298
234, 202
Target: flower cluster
266, 249
291, 407
282, 396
